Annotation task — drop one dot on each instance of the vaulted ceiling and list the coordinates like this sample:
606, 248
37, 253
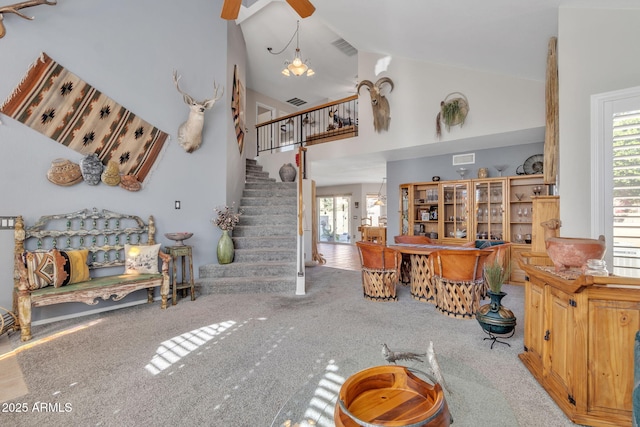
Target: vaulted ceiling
499, 36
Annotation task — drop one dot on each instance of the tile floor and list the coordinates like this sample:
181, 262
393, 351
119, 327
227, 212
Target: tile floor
343, 256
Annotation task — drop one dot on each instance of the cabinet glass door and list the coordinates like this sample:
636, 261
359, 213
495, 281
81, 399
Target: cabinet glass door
455, 198
404, 210
489, 210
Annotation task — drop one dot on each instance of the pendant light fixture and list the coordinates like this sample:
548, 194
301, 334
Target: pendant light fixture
381, 198
296, 66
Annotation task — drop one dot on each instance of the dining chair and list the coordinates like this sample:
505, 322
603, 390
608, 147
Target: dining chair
405, 267
458, 280
380, 271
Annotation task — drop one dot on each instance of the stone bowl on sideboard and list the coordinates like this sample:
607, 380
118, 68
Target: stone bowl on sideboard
566, 252
178, 237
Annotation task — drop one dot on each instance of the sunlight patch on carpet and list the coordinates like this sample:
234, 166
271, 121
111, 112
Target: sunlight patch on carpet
174, 349
319, 411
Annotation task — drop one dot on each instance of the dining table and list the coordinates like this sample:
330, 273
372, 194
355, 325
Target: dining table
421, 286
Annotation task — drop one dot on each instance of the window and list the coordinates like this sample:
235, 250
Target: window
616, 178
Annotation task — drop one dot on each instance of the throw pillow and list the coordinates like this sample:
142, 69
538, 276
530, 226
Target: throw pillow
41, 268
141, 259
74, 269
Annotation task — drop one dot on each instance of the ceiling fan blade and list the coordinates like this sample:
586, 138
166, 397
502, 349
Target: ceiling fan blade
303, 7
230, 9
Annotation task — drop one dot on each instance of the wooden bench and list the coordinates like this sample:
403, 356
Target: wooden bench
52, 251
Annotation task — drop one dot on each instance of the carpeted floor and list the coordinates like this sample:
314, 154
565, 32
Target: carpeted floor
257, 360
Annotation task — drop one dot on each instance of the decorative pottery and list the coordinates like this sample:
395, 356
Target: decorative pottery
130, 183
566, 252
111, 174
287, 173
178, 237
551, 228
226, 251
495, 318
391, 396
64, 172
91, 168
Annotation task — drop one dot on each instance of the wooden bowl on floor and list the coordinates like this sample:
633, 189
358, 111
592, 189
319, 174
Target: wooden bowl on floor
390, 396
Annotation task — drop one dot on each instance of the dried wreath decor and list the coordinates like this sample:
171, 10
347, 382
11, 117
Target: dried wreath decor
227, 219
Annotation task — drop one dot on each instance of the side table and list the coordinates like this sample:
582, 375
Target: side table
183, 252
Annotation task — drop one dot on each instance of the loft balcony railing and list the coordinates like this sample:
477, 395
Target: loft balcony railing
324, 123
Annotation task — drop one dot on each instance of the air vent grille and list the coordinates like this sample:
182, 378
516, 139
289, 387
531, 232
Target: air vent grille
464, 159
343, 46
296, 101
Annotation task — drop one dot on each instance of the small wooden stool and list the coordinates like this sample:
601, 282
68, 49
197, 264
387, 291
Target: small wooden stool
184, 252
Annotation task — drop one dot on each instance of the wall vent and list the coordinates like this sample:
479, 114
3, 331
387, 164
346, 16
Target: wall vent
464, 159
345, 47
296, 101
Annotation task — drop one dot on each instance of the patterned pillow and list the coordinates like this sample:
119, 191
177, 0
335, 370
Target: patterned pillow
74, 269
41, 268
141, 259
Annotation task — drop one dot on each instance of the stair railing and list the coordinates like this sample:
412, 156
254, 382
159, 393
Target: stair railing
300, 279
324, 123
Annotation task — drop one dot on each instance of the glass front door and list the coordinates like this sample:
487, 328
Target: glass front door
334, 223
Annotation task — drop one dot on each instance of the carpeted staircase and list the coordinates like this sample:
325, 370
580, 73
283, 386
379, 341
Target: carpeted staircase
264, 239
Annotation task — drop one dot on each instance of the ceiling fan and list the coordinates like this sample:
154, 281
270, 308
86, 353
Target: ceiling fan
231, 8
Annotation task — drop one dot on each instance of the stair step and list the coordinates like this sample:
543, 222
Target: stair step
232, 285
264, 255
272, 242
270, 192
244, 269
260, 219
271, 201
250, 179
264, 230
268, 186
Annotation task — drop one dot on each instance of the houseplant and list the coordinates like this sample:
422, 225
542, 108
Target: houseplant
226, 220
453, 111
494, 318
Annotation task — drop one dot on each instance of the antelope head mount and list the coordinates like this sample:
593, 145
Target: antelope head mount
379, 103
190, 132
13, 8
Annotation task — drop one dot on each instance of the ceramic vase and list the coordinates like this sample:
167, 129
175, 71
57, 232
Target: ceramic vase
494, 317
91, 168
226, 250
287, 173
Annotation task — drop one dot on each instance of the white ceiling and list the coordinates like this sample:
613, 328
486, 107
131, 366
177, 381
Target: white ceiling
501, 36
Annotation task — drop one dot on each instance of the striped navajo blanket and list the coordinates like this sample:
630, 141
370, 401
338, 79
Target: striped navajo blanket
58, 104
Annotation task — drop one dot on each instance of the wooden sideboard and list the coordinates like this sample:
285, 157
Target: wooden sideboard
579, 334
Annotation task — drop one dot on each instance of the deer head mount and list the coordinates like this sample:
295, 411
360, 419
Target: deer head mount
190, 132
379, 103
13, 8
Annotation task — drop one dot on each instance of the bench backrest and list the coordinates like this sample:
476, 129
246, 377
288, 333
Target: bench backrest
103, 233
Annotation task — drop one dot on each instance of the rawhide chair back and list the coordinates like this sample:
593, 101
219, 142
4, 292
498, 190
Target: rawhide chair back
380, 271
459, 280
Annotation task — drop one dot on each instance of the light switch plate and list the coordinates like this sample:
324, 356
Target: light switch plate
7, 222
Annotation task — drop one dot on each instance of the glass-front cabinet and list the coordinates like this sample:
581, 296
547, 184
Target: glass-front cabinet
489, 209
455, 210
522, 189
425, 210
405, 221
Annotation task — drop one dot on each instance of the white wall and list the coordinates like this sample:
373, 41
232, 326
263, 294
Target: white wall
597, 52
253, 98
498, 104
128, 50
